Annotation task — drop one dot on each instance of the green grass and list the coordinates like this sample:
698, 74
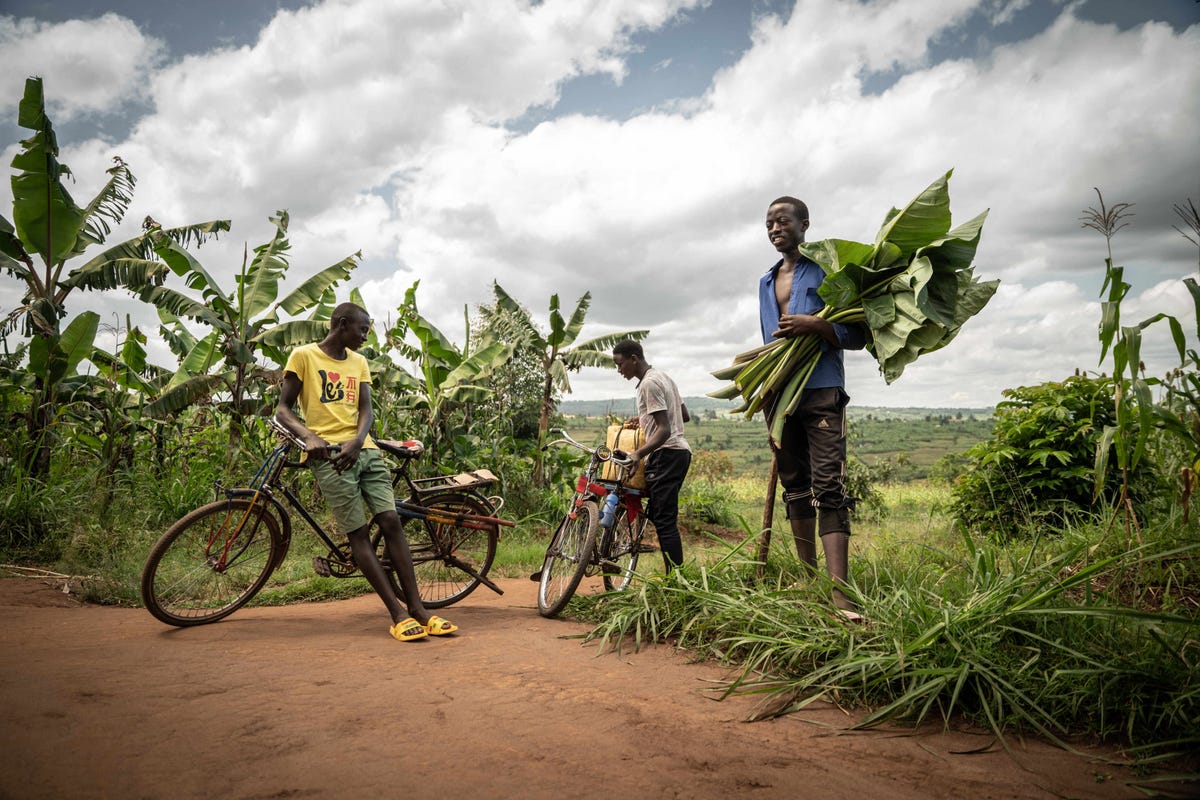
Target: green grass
1014, 641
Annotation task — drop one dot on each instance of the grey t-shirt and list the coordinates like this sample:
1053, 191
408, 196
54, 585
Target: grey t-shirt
657, 392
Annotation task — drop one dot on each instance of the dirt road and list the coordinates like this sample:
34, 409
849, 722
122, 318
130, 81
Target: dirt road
315, 701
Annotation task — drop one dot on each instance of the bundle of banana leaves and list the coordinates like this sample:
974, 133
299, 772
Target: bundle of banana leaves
913, 289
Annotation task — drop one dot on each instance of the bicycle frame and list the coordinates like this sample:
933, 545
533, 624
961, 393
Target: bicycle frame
267, 481
215, 558
588, 486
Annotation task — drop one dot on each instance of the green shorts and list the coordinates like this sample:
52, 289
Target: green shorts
366, 484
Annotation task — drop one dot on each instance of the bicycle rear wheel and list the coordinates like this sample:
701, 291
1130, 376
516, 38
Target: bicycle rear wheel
449, 559
211, 562
567, 558
621, 555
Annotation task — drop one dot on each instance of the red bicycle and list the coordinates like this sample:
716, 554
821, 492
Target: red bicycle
602, 531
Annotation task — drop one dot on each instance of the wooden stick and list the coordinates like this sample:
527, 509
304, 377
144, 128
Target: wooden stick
764, 535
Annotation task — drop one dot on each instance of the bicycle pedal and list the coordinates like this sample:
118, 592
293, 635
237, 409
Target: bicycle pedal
321, 566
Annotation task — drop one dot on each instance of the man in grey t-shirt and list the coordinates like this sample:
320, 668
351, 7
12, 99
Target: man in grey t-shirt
661, 414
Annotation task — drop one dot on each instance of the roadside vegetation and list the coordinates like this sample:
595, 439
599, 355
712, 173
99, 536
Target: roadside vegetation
1033, 568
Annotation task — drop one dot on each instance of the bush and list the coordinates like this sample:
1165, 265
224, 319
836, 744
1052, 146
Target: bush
862, 480
31, 517
1038, 471
712, 466
708, 501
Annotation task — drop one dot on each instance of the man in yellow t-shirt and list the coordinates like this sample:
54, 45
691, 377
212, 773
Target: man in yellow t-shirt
332, 383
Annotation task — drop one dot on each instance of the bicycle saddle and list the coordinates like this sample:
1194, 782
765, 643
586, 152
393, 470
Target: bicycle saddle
409, 449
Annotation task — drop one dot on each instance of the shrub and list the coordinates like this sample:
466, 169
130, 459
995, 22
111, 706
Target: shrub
712, 466
32, 513
862, 480
708, 501
1037, 470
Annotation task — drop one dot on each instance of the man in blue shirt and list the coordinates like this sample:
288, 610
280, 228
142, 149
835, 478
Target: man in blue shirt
811, 453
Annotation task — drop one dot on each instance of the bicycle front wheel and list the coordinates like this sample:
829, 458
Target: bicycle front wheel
450, 559
567, 558
211, 562
620, 558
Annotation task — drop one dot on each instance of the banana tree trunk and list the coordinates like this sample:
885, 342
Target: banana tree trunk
41, 412
539, 477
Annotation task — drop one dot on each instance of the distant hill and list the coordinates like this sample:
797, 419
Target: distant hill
625, 407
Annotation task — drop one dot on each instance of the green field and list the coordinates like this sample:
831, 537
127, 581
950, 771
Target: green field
908, 441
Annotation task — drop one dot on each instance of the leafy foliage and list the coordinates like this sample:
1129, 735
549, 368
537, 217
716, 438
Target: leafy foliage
1136, 414
243, 323
448, 381
51, 226
1037, 471
1011, 642
558, 350
516, 400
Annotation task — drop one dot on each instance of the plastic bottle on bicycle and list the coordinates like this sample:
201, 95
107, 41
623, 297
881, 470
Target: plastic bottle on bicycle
609, 514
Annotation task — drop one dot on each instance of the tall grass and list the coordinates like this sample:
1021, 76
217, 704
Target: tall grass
1012, 641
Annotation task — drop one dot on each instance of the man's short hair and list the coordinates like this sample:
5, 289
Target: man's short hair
798, 205
629, 348
346, 311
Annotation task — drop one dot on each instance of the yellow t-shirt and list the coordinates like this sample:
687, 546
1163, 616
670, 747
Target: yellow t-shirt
330, 391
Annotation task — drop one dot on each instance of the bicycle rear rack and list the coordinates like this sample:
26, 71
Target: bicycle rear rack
463, 480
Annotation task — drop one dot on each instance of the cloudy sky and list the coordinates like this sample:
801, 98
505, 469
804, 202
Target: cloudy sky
629, 148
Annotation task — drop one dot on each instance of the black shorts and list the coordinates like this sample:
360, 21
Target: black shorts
811, 459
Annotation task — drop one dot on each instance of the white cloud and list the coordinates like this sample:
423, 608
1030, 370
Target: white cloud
382, 127
659, 216
87, 66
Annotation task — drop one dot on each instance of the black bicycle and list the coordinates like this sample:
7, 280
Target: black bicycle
214, 559
602, 531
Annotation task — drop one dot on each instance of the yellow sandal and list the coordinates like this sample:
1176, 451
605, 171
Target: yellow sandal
440, 627
408, 630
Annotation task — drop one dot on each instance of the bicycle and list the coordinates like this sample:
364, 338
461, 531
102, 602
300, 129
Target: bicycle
213, 560
602, 531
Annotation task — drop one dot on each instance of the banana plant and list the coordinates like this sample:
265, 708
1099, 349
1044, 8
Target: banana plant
107, 408
447, 380
559, 352
47, 233
228, 365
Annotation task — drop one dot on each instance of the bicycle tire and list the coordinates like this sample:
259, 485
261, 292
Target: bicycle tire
441, 550
622, 551
567, 559
180, 583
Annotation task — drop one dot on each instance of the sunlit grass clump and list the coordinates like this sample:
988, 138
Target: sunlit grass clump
1015, 643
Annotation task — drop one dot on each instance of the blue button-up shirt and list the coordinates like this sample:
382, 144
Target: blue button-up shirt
806, 279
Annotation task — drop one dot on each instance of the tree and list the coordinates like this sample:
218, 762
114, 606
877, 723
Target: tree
47, 224
449, 380
558, 357
244, 323
517, 385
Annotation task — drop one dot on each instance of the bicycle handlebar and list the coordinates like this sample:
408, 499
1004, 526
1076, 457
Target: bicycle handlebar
285, 433
602, 452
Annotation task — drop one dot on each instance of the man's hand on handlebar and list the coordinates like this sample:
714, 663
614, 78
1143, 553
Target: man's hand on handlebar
343, 458
319, 449
626, 459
